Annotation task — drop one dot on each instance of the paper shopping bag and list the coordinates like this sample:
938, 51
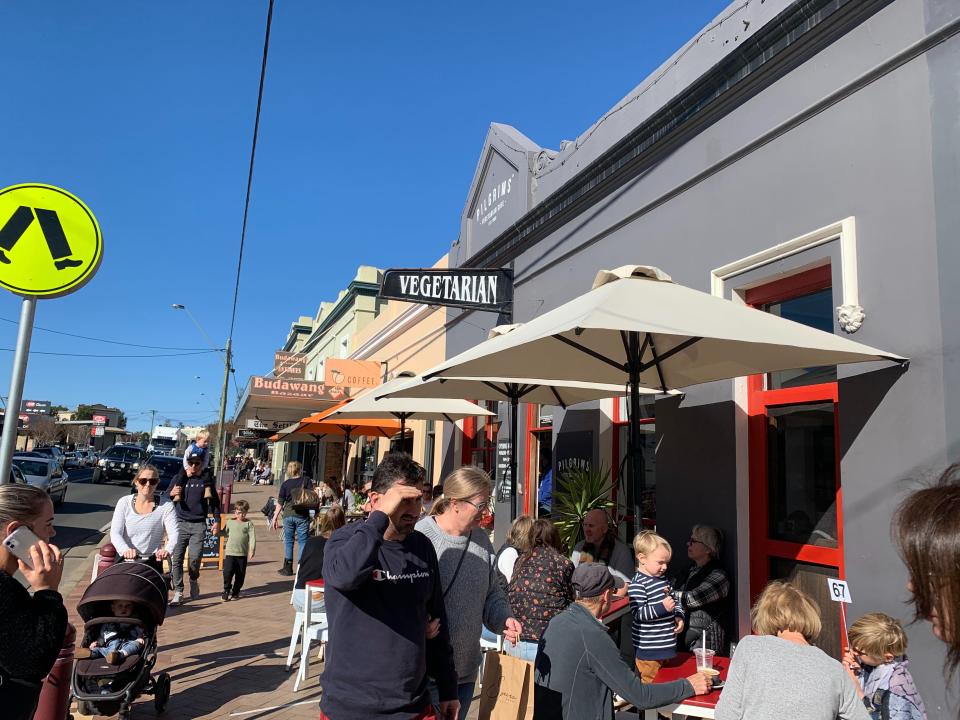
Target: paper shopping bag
507, 692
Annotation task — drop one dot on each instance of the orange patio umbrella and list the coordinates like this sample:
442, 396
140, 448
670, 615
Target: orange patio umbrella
320, 424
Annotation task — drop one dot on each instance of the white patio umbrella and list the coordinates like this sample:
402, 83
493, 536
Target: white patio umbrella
379, 404
545, 392
637, 327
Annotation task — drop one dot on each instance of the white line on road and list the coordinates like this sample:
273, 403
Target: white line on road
272, 707
106, 527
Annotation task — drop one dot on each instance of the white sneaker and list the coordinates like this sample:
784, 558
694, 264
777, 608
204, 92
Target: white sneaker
177, 598
194, 590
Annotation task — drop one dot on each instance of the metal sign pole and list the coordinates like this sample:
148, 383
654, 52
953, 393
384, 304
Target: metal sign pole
28, 311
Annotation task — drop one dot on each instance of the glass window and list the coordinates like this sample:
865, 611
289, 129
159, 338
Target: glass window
801, 472
32, 467
815, 310
812, 579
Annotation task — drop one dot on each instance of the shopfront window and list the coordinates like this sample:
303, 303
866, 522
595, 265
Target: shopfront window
796, 519
540, 423
480, 438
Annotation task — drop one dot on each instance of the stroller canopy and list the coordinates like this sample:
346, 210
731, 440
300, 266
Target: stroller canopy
139, 583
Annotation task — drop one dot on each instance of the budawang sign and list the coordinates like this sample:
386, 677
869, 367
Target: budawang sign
301, 389
474, 288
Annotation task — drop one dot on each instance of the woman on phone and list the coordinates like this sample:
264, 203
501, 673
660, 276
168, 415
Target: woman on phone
139, 522
31, 628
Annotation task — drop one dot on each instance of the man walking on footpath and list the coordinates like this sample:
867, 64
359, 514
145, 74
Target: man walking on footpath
382, 588
578, 667
192, 509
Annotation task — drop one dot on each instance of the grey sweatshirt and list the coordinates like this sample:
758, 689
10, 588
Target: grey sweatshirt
579, 668
474, 599
771, 679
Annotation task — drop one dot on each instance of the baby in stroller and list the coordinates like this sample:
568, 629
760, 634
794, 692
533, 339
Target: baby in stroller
116, 641
122, 610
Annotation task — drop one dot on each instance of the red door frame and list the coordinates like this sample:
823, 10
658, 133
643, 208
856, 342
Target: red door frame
530, 488
470, 439
762, 547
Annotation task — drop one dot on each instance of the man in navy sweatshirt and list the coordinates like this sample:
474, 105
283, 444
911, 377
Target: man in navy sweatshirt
382, 588
192, 509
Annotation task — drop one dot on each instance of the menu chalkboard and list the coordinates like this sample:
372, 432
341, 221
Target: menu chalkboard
211, 549
504, 480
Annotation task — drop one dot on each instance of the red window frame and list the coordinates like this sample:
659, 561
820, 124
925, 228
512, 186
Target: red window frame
759, 400
530, 479
470, 446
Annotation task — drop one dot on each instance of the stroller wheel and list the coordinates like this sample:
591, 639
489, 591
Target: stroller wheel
161, 692
85, 708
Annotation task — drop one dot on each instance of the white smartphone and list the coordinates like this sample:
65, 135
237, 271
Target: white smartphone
19, 543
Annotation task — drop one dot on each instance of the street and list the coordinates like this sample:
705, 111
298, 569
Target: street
79, 520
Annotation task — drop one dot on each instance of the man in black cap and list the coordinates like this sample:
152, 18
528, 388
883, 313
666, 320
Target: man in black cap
578, 667
186, 490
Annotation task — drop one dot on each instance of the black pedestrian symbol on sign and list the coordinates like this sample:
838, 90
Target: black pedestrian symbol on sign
53, 233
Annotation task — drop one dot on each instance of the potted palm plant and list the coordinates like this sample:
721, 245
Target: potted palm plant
581, 490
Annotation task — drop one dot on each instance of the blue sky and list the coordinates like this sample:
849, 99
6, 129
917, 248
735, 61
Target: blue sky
373, 120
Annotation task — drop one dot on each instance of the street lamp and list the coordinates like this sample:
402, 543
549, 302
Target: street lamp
223, 395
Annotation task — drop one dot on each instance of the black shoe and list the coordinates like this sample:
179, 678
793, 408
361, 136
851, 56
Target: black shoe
235, 596
225, 596
66, 263
287, 569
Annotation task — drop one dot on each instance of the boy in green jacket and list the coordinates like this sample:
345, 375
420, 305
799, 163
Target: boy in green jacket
241, 540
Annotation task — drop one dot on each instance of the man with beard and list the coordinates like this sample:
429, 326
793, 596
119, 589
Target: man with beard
382, 589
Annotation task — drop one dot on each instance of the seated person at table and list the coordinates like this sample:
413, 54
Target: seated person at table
656, 617
578, 666
116, 641
311, 562
601, 545
777, 673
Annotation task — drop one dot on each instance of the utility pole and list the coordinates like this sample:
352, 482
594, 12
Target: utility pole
153, 414
221, 450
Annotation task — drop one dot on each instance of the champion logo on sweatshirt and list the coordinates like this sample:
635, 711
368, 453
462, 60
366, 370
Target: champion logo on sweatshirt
380, 575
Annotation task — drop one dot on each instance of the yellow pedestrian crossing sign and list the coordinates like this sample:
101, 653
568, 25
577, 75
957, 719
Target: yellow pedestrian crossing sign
50, 242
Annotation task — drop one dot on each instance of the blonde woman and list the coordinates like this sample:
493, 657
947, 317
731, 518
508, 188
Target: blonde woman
778, 673
296, 522
468, 575
139, 522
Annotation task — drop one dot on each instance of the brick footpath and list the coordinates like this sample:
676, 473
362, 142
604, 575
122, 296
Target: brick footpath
227, 659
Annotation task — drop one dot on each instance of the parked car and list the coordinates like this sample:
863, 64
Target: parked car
51, 452
167, 466
44, 472
119, 462
16, 476
74, 460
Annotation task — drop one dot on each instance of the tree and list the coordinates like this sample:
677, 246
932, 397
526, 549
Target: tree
122, 421
44, 430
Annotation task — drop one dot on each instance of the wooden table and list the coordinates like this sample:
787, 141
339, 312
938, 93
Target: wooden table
683, 665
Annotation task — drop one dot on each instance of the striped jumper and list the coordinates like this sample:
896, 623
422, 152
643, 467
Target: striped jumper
653, 625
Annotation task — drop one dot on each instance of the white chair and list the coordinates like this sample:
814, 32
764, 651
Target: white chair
297, 625
314, 627
485, 647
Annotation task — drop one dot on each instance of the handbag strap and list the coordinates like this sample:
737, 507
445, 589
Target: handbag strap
457, 571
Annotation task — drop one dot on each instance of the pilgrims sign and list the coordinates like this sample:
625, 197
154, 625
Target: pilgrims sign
474, 288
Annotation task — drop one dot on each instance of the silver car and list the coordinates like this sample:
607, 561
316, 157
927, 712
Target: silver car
45, 473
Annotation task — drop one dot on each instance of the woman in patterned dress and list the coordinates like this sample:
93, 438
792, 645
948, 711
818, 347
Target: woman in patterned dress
539, 589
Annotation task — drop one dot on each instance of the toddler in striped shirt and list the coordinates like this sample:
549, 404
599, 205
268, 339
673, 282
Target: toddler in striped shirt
657, 618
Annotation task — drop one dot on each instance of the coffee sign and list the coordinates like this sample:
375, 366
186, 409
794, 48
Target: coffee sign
351, 373
474, 288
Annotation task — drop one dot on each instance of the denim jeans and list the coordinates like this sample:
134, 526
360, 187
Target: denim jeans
464, 695
525, 649
124, 647
316, 606
300, 526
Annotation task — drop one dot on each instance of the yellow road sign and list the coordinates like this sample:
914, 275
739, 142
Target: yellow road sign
50, 242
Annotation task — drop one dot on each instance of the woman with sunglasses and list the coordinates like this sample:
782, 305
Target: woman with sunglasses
472, 594
704, 592
139, 523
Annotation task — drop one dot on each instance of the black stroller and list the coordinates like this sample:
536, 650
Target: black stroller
104, 689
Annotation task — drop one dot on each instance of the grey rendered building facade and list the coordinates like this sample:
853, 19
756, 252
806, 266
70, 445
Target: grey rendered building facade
786, 136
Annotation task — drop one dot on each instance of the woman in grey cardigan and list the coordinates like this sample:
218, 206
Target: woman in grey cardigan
468, 576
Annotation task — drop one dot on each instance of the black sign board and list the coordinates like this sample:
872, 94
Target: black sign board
248, 434
35, 407
504, 480
474, 288
211, 542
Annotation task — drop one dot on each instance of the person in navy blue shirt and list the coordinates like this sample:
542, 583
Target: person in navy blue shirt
383, 597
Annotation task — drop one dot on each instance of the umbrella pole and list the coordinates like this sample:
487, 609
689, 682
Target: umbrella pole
635, 480
514, 407
316, 461
346, 455
403, 432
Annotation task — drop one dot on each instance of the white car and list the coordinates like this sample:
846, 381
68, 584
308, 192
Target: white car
44, 472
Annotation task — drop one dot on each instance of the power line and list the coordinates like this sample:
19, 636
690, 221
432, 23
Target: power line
103, 340
95, 355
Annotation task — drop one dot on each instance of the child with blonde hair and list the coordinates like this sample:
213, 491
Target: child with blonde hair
877, 654
657, 618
